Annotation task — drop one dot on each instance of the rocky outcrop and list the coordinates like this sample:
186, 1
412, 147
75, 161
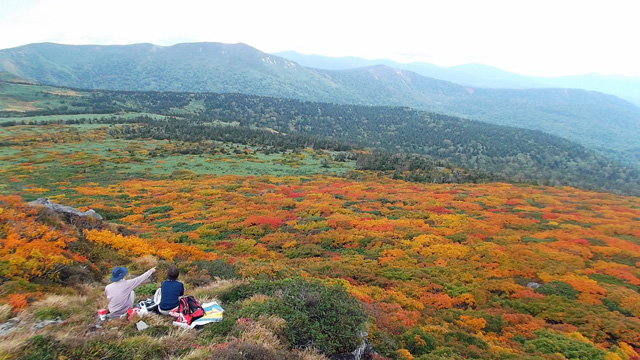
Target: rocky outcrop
533, 285
9, 326
362, 352
67, 211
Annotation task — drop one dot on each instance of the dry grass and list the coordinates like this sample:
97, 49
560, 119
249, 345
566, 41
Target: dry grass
202, 353
18, 106
311, 354
256, 298
257, 333
211, 291
273, 323
77, 310
73, 309
5, 312
71, 302
146, 262
177, 339
64, 92
10, 345
153, 319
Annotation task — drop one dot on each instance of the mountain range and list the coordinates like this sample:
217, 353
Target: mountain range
479, 75
599, 121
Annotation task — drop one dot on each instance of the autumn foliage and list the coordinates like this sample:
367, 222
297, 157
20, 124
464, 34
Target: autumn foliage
30, 248
479, 270
454, 259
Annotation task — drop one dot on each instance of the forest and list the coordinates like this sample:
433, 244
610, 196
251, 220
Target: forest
510, 154
430, 258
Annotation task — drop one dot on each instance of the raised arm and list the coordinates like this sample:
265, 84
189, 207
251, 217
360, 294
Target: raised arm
135, 282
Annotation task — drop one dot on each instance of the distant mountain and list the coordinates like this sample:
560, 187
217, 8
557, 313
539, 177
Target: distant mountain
475, 75
478, 75
602, 122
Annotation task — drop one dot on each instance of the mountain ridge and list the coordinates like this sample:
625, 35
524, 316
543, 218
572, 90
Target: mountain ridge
480, 75
602, 122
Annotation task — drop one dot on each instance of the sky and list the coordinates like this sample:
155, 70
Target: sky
538, 38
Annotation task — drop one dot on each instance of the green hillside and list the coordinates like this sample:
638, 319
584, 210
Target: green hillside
415, 145
601, 122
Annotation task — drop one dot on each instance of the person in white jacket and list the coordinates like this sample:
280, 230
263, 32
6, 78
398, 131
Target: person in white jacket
120, 292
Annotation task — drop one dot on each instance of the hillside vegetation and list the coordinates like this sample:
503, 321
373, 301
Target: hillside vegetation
601, 122
443, 271
418, 146
265, 208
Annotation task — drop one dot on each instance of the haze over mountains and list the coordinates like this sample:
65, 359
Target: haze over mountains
478, 75
602, 122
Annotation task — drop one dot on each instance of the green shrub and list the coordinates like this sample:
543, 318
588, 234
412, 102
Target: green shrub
608, 279
40, 347
159, 209
458, 238
394, 273
50, 313
318, 315
418, 342
217, 268
384, 343
464, 338
146, 290
494, 323
220, 330
612, 306
558, 288
184, 227
547, 342
303, 251
113, 214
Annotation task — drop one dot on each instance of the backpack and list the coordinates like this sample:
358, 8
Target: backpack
190, 309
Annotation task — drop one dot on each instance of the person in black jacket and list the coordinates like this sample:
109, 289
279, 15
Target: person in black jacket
171, 290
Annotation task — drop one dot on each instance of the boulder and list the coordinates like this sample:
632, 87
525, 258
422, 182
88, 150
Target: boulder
533, 285
363, 352
68, 211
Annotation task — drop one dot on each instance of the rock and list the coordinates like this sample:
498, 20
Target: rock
68, 211
533, 285
362, 352
43, 323
141, 325
8, 326
93, 214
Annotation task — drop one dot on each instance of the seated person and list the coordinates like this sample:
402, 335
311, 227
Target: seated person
170, 290
120, 292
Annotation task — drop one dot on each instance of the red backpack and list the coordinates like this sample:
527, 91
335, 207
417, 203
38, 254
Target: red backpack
190, 309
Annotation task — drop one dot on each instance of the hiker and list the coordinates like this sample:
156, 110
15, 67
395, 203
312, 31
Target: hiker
120, 292
171, 290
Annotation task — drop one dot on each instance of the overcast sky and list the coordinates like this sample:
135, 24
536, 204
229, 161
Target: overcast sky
539, 37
